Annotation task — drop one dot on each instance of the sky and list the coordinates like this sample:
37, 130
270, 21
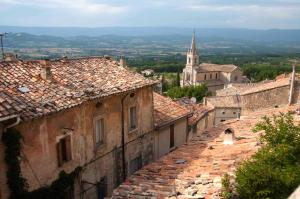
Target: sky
255, 14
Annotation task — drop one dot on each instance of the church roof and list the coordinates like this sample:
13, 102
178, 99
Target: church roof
73, 81
208, 67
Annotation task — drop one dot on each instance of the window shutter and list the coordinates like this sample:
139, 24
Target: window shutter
68, 148
59, 154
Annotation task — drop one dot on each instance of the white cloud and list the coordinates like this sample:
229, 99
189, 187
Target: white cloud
83, 6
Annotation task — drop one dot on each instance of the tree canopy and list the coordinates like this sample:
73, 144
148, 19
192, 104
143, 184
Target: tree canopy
274, 171
198, 92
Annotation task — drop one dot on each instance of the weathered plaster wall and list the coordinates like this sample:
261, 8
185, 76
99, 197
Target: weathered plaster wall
223, 114
39, 162
3, 186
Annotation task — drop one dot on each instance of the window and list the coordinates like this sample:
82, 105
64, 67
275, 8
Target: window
234, 113
210, 76
235, 78
132, 118
172, 136
136, 164
216, 75
223, 112
195, 60
222, 120
205, 77
189, 60
64, 150
102, 188
99, 131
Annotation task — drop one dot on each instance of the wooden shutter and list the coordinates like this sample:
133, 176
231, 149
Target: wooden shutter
68, 148
59, 154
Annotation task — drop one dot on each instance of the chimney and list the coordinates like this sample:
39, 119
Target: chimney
10, 57
46, 69
123, 62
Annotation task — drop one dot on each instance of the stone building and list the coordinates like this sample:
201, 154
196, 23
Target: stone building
171, 124
213, 75
88, 112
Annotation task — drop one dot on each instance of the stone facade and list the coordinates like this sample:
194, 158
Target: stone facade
214, 76
39, 161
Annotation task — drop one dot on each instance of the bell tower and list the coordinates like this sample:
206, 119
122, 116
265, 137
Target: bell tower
192, 62
192, 58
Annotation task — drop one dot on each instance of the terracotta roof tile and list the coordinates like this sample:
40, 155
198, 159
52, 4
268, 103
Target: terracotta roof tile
166, 110
208, 67
194, 170
23, 91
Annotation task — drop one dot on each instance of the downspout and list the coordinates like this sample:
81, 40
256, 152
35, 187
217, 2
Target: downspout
123, 137
292, 86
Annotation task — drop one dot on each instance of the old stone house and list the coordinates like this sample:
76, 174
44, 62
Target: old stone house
171, 124
88, 112
213, 75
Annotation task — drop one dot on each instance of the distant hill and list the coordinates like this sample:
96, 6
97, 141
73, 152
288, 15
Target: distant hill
273, 35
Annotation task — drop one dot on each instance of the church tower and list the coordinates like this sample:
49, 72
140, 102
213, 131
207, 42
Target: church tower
192, 62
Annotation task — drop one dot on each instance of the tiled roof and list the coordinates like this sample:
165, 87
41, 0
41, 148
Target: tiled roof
231, 101
208, 67
243, 89
194, 170
23, 91
166, 110
199, 110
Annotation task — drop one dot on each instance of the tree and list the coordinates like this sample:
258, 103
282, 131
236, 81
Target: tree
274, 171
178, 79
198, 92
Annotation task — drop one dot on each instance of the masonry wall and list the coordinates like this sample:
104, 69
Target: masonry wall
39, 163
265, 99
223, 114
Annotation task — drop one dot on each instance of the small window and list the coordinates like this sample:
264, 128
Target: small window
132, 118
223, 112
205, 77
210, 76
195, 60
99, 131
234, 113
172, 141
216, 75
222, 120
189, 60
235, 78
64, 150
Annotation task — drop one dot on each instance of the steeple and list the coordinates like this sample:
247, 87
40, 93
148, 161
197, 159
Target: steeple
193, 48
192, 54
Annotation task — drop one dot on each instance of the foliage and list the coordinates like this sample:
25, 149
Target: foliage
226, 191
198, 92
274, 171
18, 185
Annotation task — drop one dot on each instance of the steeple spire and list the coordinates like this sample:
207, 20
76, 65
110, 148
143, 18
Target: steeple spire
193, 45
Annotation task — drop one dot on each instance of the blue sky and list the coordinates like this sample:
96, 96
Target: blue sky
259, 14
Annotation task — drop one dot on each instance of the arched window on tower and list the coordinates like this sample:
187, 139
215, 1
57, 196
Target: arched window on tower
189, 60
195, 60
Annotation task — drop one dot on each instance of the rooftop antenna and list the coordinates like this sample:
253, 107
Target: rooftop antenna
1, 40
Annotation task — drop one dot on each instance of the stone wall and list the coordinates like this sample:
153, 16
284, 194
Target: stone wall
39, 161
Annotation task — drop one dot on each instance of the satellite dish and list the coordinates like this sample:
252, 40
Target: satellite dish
193, 99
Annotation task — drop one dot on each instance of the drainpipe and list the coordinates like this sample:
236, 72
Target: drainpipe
123, 137
292, 86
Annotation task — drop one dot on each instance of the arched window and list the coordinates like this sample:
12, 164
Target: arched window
210, 75
189, 60
216, 75
195, 60
235, 78
204, 76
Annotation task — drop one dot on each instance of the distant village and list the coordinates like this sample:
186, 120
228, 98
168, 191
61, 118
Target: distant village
92, 128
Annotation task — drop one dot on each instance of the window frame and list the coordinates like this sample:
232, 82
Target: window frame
101, 141
172, 136
64, 149
130, 128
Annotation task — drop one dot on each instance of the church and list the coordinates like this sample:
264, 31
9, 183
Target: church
215, 76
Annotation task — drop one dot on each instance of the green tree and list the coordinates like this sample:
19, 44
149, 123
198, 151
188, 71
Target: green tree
274, 171
178, 79
198, 92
